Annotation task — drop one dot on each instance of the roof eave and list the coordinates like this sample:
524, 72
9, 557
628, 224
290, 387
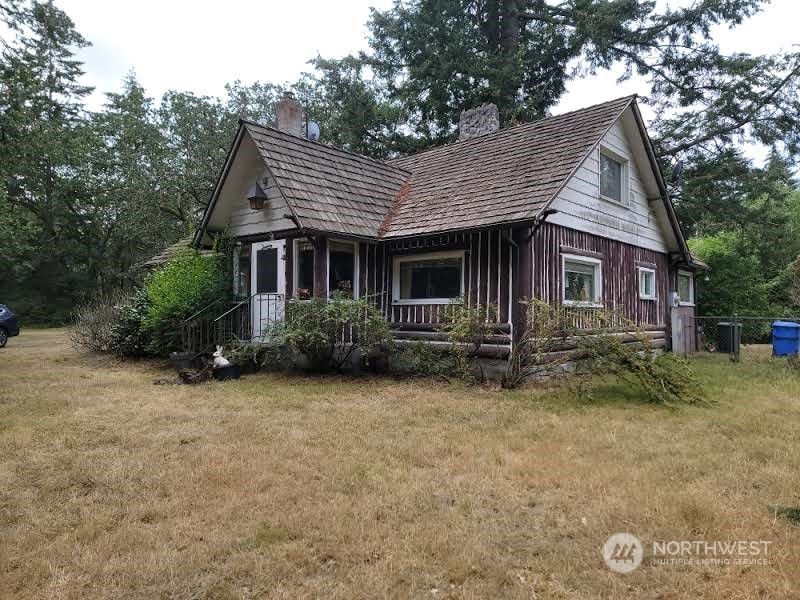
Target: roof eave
662, 185
223, 175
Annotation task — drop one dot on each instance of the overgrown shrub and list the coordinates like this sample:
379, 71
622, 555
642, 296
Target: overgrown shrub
420, 359
128, 334
112, 323
547, 329
176, 291
317, 329
93, 323
664, 378
257, 357
467, 326
550, 341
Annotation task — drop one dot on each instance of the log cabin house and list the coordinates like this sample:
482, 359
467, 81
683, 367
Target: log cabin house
571, 209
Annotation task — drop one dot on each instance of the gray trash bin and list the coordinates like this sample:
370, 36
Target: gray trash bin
729, 337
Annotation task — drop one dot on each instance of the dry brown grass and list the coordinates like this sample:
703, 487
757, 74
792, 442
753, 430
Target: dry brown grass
277, 487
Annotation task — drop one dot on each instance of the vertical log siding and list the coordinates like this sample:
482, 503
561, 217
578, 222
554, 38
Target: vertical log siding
619, 271
487, 260
497, 272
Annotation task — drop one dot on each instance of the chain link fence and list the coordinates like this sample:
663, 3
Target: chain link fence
737, 336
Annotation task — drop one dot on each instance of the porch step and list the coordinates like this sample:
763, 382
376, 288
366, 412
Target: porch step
484, 351
441, 336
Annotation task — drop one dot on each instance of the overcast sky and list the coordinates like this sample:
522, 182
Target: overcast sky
201, 46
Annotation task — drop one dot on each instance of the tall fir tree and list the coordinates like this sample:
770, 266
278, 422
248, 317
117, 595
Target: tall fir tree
43, 144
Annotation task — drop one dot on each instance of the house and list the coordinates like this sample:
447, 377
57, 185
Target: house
571, 209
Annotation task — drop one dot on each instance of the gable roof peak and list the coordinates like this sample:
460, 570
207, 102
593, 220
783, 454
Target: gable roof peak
622, 103
322, 146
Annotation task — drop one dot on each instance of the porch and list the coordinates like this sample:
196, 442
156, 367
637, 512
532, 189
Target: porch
415, 284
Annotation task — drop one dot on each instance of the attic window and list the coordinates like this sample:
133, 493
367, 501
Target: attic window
613, 174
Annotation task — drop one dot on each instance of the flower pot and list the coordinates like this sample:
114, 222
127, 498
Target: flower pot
183, 361
225, 373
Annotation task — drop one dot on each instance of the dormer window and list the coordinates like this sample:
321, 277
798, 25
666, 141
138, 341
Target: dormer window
613, 176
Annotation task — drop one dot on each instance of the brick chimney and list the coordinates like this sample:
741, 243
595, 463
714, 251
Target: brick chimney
478, 121
289, 115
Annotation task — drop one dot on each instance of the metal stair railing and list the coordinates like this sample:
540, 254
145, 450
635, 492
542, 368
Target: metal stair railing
259, 311
197, 333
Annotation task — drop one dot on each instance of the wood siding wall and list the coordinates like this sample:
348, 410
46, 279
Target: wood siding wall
242, 221
633, 221
486, 274
620, 276
496, 270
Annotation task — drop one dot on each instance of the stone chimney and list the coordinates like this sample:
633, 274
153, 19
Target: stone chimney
478, 121
289, 115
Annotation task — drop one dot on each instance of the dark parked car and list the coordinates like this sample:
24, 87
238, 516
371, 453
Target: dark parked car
8, 324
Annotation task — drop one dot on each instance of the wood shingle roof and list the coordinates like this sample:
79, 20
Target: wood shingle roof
497, 178
329, 189
503, 177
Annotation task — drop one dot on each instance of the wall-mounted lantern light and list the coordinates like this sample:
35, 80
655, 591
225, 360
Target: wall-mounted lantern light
256, 197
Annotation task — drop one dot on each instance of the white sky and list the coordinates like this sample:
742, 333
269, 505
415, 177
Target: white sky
200, 45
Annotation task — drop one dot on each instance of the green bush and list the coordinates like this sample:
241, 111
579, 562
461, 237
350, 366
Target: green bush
112, 323
467, 327
256, 357
128, 334
316, 328
664, 378
176, 291
420, 359
550, 342
547, 328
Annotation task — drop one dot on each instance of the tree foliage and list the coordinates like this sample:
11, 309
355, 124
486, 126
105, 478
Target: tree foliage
86, 196
186, 284
749, 235
439, 57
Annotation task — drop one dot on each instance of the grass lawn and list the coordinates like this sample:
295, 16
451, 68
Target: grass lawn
300, 487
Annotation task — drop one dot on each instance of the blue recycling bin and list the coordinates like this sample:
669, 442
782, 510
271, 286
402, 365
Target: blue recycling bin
785, 338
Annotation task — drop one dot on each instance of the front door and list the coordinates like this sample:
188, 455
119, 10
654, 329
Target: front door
268, 282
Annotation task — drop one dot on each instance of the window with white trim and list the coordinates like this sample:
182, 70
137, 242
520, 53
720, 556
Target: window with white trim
303, 269
343, 268
685, 288
434, 278
647, 283
582, 278
613, 176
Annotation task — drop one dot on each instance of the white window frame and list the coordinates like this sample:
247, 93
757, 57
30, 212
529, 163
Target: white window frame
691, 288
356, 265
597, 263
624, 180
295, 262
398, 260
646, 270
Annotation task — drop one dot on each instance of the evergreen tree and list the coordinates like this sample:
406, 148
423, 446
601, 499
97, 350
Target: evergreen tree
439, 57
43, 144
